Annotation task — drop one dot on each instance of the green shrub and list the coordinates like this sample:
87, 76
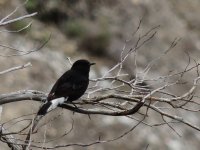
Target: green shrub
32, 5
96, 44
73, 29
18, 25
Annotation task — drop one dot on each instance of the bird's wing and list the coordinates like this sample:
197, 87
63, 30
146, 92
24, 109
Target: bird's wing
68, 84
73, 86
62, 79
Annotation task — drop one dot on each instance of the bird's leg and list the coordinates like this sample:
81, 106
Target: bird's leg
70, 102
74, 105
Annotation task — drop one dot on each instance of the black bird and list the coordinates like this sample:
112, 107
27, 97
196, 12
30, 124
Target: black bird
69, 87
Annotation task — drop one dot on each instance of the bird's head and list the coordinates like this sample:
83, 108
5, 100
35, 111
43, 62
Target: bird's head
82, 66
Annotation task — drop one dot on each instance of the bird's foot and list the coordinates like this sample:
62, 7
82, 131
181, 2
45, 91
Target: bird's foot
74, 105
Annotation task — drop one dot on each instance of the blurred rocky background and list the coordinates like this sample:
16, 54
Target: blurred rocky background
97, 30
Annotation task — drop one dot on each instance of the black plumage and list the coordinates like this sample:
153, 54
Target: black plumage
69, 87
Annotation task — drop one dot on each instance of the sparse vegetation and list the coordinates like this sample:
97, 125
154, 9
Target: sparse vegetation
96, 44
73, 28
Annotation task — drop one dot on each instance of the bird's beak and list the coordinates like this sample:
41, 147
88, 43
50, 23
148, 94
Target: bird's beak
92, 64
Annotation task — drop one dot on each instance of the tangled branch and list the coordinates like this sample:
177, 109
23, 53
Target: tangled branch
120, 96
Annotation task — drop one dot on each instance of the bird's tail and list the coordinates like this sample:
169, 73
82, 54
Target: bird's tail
50, 105
43, 110
34, 124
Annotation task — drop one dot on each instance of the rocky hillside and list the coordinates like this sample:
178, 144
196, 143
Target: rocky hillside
97, 30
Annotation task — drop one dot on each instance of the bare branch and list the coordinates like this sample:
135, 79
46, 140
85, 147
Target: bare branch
9, 139
3, 22
16, 68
